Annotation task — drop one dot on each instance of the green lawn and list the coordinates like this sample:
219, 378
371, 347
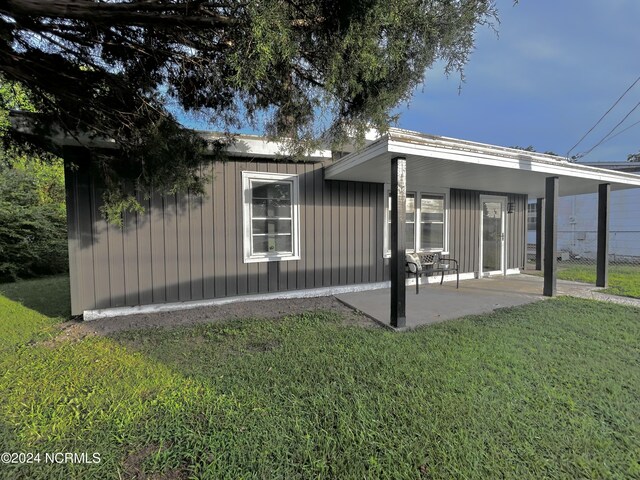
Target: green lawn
48, 296
46, 301
623, 279
549, 390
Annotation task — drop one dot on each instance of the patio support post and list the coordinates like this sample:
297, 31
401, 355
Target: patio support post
602, 277
397, 265
539, 232
550, 236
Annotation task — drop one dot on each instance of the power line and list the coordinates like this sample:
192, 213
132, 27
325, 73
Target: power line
622, 131
610, 132
605, 114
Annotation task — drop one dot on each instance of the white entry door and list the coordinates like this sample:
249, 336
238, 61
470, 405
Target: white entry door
493, 234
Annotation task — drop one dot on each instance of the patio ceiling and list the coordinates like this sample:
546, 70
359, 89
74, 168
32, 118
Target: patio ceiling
445, 162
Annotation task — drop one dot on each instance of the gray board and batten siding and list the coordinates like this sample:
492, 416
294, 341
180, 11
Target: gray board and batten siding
188, 248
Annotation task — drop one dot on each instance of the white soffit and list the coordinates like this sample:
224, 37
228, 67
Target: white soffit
443, 162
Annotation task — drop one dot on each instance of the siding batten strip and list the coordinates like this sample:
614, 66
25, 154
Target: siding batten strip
100, 252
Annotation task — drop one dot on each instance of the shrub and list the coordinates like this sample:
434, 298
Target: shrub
33, 235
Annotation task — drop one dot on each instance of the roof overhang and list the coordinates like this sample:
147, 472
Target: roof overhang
631, 167
238, 145
445, 162
255, 146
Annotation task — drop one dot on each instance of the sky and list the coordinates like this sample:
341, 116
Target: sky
555, 67
548, 75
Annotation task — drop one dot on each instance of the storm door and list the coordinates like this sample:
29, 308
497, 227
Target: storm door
492, 235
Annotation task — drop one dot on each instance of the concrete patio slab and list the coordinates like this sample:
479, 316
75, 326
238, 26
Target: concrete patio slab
436, 303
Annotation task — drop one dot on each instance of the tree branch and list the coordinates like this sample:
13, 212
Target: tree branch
120, 13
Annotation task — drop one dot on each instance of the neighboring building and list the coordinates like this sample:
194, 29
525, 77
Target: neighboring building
577, 221
314, 227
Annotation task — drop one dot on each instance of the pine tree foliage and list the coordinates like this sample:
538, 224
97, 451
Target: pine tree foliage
308, 71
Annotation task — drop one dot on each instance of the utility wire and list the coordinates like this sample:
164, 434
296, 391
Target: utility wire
605, 114
582, 155
621, 131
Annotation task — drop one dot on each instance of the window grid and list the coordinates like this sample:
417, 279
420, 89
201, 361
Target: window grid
411, 221
274, 219
531, 216
424, 212
270, 220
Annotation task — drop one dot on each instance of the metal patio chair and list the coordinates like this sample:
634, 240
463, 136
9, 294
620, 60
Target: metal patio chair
428, 264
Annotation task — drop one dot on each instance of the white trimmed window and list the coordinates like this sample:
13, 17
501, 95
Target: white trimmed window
271, 220
431, 222
531, 216
425, 224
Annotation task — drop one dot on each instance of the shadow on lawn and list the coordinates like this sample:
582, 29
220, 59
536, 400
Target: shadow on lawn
9, 443
49, 296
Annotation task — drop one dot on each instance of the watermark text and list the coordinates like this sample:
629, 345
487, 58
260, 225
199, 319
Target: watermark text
61, 458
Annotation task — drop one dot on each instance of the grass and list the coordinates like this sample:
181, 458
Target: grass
30, 308
624, 280
551, 389
48, 296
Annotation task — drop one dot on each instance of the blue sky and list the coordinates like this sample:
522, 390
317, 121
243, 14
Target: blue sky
551, 72
554, 69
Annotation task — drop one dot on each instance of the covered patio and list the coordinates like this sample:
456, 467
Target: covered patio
488, 171
437, 303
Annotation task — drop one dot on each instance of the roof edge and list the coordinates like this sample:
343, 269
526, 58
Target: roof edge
410, 136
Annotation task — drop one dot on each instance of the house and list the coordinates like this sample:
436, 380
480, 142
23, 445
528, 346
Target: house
577, 224
272, 228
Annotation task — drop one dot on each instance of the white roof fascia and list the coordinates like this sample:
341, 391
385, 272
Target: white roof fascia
416, 138
539, 165
399, 142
